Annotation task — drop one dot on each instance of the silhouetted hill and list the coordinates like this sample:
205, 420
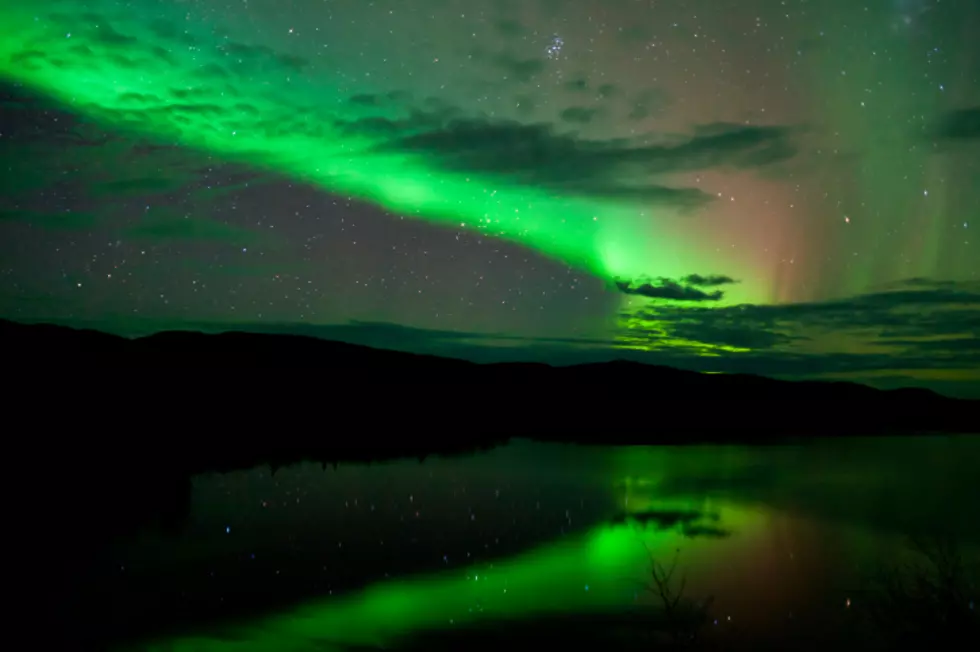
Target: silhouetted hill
105, 433
261, 392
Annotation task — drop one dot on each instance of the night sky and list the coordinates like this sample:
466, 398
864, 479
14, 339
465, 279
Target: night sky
786, 187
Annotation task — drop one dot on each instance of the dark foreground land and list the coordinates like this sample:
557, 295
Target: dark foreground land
104, 435
309, 396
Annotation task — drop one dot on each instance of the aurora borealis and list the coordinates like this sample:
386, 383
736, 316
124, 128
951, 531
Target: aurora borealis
376, 556
596, 572
786, 188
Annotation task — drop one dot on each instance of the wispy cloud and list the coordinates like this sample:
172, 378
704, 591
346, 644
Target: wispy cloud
918, 332
688, 288
540, 155
916, 326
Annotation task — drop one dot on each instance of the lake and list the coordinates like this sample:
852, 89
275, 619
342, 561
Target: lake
403, 554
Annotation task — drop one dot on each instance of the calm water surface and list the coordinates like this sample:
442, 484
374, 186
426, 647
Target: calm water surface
371, 555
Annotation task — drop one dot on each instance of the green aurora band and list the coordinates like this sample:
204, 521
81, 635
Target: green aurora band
598, 572
152, 72
601, 570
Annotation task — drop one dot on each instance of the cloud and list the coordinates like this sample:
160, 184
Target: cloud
661, 519
498, 146
49, 148
689, 523
686, 289
537, 155
214, 98
712, 280
379, 99
912, 327
581, 85
915, 333
482, 346
256, 57
364, 99
667, 289
963, 124
97, 31
29, 119
580, 115
705, 532
918, 333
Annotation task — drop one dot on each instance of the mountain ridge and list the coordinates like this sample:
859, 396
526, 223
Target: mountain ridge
433, 392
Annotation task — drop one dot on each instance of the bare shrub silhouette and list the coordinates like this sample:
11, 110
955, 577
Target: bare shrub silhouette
926, 600
684, 618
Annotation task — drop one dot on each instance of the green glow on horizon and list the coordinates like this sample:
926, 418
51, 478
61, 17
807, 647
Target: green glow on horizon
654, 334
129, 77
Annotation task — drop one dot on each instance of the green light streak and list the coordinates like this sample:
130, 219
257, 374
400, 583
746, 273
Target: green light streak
186, 86
597, 572
753, 493
652, 334
866, 92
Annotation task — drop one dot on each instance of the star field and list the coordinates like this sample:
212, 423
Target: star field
778, 187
